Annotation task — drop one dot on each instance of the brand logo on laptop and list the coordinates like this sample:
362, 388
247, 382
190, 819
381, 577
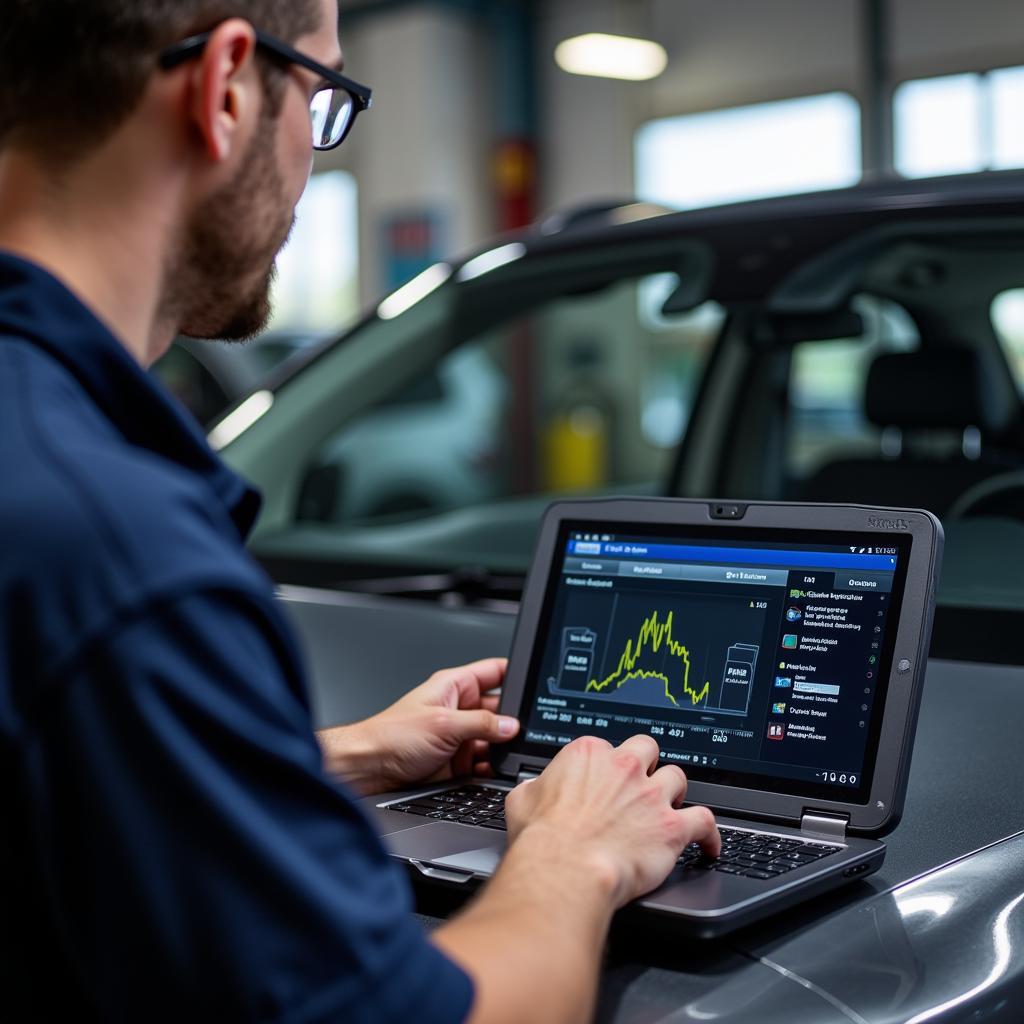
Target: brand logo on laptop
888, 524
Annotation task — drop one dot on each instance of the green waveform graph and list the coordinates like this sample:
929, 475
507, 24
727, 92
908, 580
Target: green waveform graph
652, 637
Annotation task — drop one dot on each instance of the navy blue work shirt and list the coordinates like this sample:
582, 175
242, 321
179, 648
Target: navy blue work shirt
170, 848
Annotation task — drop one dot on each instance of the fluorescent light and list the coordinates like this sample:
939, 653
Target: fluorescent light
415, 291
635, 60
484, 264
236, 423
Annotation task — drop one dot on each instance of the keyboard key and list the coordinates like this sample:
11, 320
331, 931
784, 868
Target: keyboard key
797, 858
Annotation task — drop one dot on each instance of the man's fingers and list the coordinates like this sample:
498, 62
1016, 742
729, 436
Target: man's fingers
672, 780
481, 725
701, 827
474, 679
645, 748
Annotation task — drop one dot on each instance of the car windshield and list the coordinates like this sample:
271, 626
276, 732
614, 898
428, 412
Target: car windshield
883, 369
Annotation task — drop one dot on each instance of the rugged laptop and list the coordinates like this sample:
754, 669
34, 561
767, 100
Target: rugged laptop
775, 651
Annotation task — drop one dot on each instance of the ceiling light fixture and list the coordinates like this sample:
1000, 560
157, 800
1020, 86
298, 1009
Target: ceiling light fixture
605, 56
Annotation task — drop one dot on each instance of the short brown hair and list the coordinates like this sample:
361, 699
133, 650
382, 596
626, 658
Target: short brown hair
71, 71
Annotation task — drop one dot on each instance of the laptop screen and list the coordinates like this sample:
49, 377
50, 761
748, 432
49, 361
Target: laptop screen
753, 658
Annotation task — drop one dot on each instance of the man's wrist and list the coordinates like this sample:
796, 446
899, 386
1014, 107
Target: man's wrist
352, 756
577, 866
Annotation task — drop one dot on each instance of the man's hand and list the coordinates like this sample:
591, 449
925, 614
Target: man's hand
614, 810
438, 731
601, 826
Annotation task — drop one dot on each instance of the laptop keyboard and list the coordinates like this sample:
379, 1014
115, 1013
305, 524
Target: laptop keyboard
472, 805
761, 855
756, 854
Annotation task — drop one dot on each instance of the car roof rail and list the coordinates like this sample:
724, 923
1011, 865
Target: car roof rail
598, 213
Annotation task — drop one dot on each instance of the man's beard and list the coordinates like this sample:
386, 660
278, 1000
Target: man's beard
218, 284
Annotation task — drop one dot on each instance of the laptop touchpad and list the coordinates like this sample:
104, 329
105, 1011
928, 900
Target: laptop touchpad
451, 845
483, 860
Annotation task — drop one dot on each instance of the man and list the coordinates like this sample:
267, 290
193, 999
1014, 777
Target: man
175, 844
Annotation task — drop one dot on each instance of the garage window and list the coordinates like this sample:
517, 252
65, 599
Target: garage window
767, 149
957, 124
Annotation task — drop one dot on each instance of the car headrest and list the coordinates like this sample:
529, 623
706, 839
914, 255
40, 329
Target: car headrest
925, 390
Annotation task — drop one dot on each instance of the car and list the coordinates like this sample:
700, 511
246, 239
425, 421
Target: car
844, 346
832, 347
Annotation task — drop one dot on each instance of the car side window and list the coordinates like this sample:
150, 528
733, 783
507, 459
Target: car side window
827, 385
1008, 321
585, 394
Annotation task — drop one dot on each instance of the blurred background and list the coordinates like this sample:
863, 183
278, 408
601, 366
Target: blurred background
476, 128
579, 116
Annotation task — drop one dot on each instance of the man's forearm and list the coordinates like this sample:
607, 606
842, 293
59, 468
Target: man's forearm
543, 917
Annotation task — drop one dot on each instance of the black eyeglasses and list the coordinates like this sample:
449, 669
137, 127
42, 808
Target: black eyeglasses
333, 108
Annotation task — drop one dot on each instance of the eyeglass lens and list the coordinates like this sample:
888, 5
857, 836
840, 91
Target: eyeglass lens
331, 111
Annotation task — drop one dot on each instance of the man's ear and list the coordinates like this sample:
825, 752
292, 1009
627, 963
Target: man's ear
226, 90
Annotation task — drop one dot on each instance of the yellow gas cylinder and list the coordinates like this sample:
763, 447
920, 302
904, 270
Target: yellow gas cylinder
576, 449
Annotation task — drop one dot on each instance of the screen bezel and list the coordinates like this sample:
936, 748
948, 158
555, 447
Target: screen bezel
792, 523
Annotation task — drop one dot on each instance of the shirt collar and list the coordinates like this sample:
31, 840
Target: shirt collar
37, 307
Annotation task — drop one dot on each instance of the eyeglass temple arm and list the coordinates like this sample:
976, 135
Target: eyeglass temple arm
362, 93
188, 48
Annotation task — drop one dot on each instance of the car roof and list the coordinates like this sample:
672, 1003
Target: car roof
756, 245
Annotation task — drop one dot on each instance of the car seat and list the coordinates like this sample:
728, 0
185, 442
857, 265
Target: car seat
923, 395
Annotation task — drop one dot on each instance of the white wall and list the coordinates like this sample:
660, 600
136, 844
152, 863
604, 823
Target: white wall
425, 142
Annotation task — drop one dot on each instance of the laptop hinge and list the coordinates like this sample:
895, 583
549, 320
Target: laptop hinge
831, 826
525, 774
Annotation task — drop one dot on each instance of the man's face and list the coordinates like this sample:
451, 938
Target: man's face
225, 269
